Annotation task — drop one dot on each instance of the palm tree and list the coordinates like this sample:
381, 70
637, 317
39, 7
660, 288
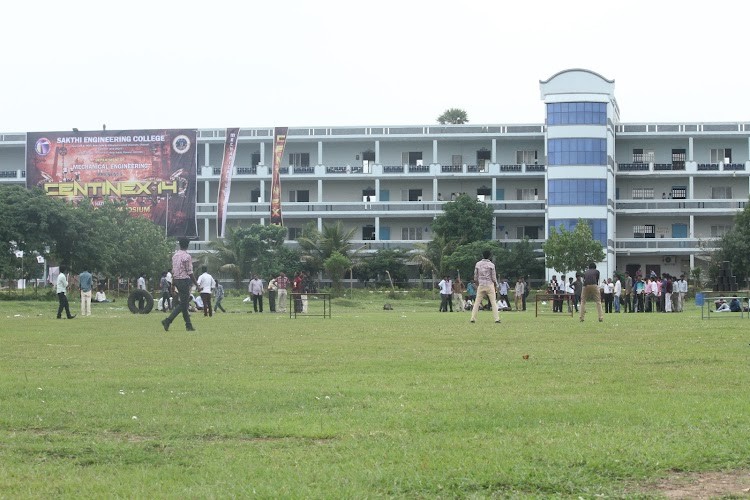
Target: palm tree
429, 257
226, 254
318, 246
454, 116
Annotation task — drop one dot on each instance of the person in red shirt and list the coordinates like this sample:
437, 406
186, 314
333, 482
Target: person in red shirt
182, 279
297, 292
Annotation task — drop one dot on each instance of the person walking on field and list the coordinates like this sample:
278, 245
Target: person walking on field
591, 288
182, 279
486, 279
62, 286
206, 284
219, 298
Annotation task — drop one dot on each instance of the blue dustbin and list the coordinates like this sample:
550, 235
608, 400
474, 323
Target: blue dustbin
699, 299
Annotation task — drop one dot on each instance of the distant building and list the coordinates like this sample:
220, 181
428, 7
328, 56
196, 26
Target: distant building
389, 182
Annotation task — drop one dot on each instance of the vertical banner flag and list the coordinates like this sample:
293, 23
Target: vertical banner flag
225, 182
279, 141
151, 172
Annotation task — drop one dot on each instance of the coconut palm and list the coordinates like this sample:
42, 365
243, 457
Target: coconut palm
318, 246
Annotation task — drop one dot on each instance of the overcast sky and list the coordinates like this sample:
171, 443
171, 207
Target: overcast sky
226, 63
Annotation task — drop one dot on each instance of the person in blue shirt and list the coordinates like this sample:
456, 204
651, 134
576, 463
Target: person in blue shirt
85, 284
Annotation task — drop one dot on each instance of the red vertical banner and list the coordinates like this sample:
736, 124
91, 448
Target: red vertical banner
279, 141
225, 182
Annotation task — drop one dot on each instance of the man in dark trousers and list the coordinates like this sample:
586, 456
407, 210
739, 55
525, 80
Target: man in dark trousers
182, 279
591, 289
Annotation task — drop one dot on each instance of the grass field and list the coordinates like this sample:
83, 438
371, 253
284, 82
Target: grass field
370, 403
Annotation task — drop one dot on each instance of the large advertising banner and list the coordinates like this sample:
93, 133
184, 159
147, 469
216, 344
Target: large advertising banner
152, 171
225, 181
279, 141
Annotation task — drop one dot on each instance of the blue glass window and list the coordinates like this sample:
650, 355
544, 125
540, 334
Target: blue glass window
577, 113
598, 227
580, 151
577, 192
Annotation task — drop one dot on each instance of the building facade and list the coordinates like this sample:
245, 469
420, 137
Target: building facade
657, 195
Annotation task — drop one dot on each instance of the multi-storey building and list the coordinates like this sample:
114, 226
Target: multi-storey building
657, 195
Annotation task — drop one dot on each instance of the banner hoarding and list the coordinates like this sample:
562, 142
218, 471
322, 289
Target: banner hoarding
152, 171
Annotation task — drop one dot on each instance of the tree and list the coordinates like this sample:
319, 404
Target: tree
375, 266
567, 251
143, 248
429, 257
734, 247
336, 265
463, 221
256, 249
462, 260
318, 246
453, 116
523, 261
105, 239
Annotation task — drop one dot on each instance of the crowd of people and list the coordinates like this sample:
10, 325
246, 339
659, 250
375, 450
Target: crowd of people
621, 293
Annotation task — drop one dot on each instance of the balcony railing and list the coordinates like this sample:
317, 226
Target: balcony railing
486, 168
674, 244
708, 166
734, 166
510, 168
670, 166
346, 169
452, 169
633, 167
536, 168
303, 169
672, 205
419, 169
360, 209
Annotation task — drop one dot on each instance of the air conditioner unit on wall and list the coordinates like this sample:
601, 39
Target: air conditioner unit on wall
668, 260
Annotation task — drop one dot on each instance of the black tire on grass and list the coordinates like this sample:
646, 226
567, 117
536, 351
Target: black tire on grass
135, 297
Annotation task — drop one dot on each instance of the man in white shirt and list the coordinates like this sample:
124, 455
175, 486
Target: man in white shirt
256, 292
618, 293
682, 288
206, 283
446, 293
62, 286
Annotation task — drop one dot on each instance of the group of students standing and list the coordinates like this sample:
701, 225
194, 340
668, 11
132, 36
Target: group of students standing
626, 294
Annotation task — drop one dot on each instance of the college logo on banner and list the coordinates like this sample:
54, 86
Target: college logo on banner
279, 141
225, 182
152, 171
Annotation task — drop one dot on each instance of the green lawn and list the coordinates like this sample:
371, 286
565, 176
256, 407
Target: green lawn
370, 403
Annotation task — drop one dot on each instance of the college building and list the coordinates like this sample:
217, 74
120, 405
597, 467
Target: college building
656, 195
